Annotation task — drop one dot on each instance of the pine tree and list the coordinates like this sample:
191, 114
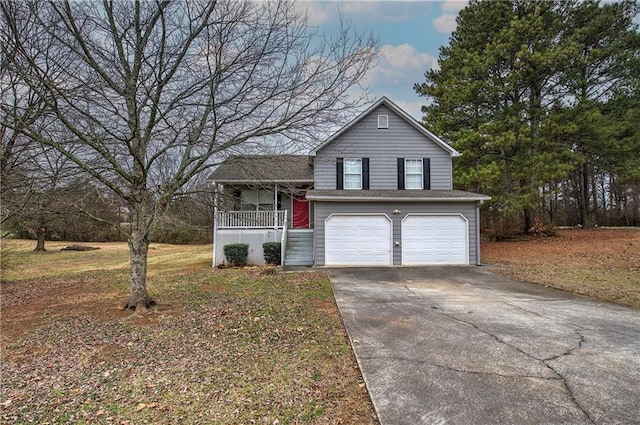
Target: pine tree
508, 91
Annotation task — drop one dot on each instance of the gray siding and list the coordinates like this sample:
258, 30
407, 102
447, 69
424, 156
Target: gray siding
324, 209
382, 147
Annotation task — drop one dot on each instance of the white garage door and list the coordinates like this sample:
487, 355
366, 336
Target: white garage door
434, 239
357, 240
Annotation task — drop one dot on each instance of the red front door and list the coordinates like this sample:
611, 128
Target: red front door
300, 212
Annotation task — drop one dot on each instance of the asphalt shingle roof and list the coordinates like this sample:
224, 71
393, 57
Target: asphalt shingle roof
265, 168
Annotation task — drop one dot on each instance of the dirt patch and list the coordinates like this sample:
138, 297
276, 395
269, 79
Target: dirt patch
31, 303
599, 263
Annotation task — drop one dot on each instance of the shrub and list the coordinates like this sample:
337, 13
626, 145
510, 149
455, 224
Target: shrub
236, 253
272, 252
539, 228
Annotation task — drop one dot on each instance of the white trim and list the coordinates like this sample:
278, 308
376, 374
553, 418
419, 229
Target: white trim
359, 215
421, 174
263, 181
344, 173
394, 199
216, 199
408, 118
466, 234
383, 121
478, 260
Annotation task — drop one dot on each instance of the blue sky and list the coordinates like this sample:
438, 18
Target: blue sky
410, 34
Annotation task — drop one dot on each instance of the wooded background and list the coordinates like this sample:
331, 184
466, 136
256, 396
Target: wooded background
542, 98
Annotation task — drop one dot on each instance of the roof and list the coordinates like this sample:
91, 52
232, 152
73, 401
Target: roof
408, 118
395, 195
264, 169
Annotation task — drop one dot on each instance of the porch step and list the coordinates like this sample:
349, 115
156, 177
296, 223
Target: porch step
299, 251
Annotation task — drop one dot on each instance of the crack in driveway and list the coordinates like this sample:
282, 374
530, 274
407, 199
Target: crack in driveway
544, 361
553, 358
458, 370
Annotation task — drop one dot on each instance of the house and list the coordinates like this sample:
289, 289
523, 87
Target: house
378, 192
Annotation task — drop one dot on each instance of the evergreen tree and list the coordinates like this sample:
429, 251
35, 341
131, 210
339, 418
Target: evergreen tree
506, 95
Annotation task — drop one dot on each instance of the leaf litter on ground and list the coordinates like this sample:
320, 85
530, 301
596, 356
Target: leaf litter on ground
224, 346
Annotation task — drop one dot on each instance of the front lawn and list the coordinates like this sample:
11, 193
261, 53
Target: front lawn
223, 346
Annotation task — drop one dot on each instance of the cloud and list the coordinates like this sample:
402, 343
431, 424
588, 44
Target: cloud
398, 62
398, 69
323, 12
318, 13
453, 5
446, 23
412, 108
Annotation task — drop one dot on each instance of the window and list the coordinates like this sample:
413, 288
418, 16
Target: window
256, 200
413, 173
353, 174
383, 121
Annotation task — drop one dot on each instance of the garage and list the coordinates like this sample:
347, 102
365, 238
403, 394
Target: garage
434, 239
358, 240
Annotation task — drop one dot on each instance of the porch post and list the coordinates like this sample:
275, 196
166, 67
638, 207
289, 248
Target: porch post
215, 221
275, 207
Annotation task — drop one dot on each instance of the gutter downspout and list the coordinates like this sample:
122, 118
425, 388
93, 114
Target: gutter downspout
478, 233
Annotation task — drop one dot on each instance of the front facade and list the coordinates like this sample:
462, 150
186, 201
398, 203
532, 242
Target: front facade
380, 193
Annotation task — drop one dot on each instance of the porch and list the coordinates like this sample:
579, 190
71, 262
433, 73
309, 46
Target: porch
254, 228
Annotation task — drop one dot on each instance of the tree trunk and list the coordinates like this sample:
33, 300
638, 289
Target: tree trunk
138, 250
42, 234
583, 200
528, 220
594, 196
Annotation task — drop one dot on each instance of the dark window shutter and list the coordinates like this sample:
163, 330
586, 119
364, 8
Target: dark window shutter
426, 173
339, 174
365, 173
400, 173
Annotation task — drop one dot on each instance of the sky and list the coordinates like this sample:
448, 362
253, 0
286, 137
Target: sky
410, 34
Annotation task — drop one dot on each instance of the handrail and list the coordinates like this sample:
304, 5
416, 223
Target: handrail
283, 240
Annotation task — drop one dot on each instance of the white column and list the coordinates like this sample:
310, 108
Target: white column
275, 207
215, 221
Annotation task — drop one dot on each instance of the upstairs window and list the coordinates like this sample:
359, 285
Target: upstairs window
413, 173
353, 173
383, 121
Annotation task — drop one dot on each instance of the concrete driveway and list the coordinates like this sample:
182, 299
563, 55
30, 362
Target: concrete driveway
461, 345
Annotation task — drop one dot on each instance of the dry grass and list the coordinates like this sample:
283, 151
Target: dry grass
223, 346
603, 264
163, 258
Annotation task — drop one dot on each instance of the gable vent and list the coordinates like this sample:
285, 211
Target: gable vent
383, 121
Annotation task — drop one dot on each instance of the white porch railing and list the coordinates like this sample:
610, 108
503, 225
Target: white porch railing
251, 219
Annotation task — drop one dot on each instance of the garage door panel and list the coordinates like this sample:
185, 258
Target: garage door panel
358, 240
434, 239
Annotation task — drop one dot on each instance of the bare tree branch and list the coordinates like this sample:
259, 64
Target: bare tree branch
145, 96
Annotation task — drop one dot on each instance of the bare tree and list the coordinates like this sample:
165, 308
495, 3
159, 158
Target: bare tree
147, 95
19, 107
